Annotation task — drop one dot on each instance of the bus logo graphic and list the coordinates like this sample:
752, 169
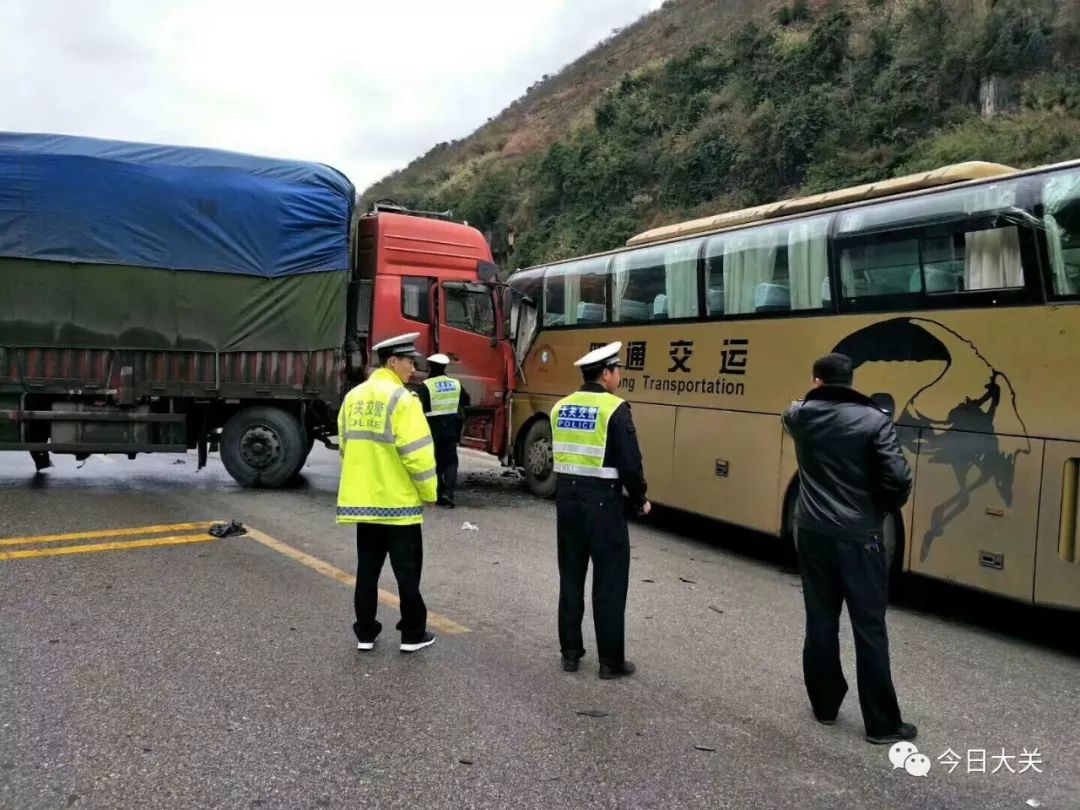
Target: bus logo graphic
986, 408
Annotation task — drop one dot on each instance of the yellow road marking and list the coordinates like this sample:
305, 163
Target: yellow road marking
54, 538
434, 620
95, 547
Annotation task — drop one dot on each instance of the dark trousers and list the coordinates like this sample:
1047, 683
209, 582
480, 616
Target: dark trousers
446, 464
852, 569
405, 546
591, 525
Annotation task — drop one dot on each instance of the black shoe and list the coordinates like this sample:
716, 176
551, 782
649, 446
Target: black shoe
368, 644
824, 721
905, 731
608, 672
414, 644
570, 663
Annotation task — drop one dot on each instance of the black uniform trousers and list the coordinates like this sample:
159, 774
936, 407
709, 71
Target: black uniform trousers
591, 524
446, 464
854, 569
405, 546
446, 433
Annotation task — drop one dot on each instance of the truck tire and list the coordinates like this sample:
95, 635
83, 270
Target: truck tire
295, 477
537, 461
262, 447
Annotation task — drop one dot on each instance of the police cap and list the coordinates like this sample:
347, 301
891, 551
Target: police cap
400, 346
439, 359
599, 359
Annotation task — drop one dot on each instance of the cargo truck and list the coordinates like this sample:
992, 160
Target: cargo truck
162, 299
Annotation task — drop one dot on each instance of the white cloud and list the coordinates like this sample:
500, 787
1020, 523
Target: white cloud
364, 89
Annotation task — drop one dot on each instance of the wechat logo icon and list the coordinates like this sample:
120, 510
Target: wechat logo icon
905, 755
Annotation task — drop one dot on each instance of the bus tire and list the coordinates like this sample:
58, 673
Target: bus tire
537, 461
892, 537
262, 447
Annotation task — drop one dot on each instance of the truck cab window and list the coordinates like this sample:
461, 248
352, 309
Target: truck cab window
415, 303
471, 311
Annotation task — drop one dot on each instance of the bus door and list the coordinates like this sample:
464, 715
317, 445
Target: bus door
469, 331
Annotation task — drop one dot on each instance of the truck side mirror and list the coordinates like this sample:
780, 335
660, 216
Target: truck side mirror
487, 272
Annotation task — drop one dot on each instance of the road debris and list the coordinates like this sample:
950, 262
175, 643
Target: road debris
230, 529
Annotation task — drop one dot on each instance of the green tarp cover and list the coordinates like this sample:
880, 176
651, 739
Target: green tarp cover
57, 305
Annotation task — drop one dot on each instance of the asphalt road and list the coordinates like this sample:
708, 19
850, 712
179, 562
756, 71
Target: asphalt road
222, 673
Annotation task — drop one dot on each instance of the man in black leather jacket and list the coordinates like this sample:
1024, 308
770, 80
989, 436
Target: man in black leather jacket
852, 473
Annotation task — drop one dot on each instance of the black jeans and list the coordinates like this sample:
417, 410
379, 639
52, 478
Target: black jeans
446, 464
852, 569
405, 546
591, 524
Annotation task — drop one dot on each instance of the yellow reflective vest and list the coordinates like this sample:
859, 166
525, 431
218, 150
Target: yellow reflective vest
387, 455
579, 425
445, 393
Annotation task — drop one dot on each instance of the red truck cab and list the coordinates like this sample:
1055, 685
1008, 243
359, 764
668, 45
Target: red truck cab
416, 272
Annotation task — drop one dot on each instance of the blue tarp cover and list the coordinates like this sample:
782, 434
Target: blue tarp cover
74, 199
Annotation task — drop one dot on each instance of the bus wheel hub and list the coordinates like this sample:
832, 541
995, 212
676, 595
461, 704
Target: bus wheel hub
540, 458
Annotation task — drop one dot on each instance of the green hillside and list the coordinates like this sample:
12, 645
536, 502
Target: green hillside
705, 106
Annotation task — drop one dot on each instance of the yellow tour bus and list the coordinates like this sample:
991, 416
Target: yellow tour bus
956, 293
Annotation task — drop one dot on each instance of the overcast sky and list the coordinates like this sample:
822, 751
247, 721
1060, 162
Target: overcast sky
362, 85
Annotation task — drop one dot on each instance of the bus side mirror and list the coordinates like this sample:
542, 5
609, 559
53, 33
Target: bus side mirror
487, 272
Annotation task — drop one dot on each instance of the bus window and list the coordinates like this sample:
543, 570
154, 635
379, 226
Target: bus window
576, 293
714, 279
1061, 201
778, 268
879, 268
656, 284
954, 242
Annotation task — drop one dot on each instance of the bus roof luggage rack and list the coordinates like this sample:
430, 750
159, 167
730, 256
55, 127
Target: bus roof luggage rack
946, 175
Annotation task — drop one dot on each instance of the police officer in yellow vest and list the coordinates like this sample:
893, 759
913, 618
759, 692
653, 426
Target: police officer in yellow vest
444, 400
387, 475
596, 455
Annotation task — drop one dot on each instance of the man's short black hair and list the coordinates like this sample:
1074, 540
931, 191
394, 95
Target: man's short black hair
436, 369
834, 369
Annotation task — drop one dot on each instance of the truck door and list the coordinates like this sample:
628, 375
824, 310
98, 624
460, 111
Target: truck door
470, 333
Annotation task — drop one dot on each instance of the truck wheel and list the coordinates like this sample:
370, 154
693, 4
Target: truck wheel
537, 461
262, 447
303, 460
